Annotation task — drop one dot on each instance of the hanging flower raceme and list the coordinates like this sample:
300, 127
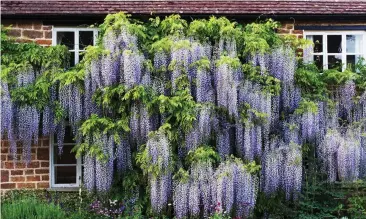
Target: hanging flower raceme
346, 95
71, 100
181, 194
158, 156
327, 153
348, 156
282, 168
225, 78
236, 188
123, 155
98, 171
6, 109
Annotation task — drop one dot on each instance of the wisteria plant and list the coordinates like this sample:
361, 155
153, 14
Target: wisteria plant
196, 119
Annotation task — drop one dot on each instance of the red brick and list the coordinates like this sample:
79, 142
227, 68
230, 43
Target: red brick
4, 149
29, 172
42, 171
4, 143
289, 26
9, 165
17, 179
26, 185
23, 40
34, 164
45, 27
46, 142
25, 24
45, 177
43, 153
16, 172
297, 31
43, 185
283, 31
33, 151
10, 157
37, 25
45, 164
33, 178
47, 34
15, 32
7, 185
4, 176
33, 34
3, 157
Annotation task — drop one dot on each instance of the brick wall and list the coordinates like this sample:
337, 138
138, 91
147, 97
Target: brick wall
20, 176
30, 31
289, 27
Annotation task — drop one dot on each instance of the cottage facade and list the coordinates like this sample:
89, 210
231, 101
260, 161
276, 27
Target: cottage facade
337, 27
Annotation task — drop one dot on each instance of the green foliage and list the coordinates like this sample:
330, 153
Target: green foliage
260, 37
202, 64
334, 77
322, 200
180, 109
162, 45
206, 30
306, 106
46, 63
360, 70
173, 25
229, 61
75, 76
181, 176
310, 81
252, 167
269, 83
203, 154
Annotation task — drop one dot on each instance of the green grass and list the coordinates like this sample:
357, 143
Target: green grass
31, 208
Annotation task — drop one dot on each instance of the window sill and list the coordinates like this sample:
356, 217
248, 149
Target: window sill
64, 189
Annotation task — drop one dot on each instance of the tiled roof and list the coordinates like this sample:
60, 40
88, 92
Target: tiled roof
202, 7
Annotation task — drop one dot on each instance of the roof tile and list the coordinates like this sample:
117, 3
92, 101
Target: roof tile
224, 7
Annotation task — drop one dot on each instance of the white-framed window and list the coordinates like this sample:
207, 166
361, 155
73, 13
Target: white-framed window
76, 39
336, 49
65, 168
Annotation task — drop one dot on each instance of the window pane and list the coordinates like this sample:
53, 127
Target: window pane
335, 62
318, 61
66, 38
318, 42
334, 43
65, 175
352, 61
68, 136
72, 59
81, 56
85, 39
354, 43
67, 157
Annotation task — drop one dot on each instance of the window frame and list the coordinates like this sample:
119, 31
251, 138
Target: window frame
325, 54
79, 165
52, 166
76, 31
